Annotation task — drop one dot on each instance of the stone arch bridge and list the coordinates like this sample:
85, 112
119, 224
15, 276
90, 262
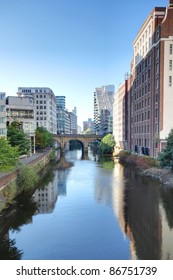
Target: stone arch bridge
84, 140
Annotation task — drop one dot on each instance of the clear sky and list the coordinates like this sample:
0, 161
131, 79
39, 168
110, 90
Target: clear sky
71, 46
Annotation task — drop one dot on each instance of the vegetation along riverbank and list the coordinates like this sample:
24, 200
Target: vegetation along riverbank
146, 166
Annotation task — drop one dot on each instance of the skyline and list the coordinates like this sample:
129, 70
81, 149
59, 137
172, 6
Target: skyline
70, 46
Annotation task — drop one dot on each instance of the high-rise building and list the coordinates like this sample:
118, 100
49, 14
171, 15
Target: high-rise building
103, 109
45, 106
73, 121
3, 130
88, 124
60, 112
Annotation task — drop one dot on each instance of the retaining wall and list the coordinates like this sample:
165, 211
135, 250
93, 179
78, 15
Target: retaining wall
6, 179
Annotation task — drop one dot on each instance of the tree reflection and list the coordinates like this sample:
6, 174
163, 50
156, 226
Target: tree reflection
8, 250
13, 218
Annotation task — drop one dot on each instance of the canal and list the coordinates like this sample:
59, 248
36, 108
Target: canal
90, 209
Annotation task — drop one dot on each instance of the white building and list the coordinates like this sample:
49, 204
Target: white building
45, 106
21, 109
3, 130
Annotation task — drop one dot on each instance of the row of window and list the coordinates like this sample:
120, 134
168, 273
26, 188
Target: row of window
41, 96
143, 104
142, 91
144, 65
142, 129
41, 107
145, 116
142, 117
41, 118
41, 102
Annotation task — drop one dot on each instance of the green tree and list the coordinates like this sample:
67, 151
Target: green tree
107, 144
17, 138
166, 155
8, 155
43, 138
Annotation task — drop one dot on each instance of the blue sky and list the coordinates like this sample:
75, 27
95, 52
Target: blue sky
71, 46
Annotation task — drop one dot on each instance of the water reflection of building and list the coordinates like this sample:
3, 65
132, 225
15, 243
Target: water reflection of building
145, 213
47, 196
142, 218
135, 201
62, 180
166, 210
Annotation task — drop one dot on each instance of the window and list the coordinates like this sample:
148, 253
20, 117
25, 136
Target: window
170, 81
148, 115
170, 49
148, 129
156, 113
157, 68
157, 53
148, 87
149, 73
157, 83
170, 64
148, 101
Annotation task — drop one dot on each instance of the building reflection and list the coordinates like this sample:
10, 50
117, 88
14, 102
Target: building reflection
46, 197
62, 180
166, 209
144, 210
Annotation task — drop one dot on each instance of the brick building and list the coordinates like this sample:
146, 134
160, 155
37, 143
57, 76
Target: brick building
150, 86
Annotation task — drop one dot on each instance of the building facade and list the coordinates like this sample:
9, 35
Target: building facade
45, 106
3, 130
73, 121
120, 123
152, 85
21, 110
103, 109
88, 124
149, 114
60, 113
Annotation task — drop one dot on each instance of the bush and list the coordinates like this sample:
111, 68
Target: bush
26, 178
107, 144
143, 162
166, 156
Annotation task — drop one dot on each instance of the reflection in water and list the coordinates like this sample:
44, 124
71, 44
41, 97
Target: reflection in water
46, 197
14, 218
97, 210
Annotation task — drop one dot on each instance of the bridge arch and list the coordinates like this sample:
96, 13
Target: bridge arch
63, 139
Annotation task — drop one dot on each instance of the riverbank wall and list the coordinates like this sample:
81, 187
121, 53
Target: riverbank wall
38, 161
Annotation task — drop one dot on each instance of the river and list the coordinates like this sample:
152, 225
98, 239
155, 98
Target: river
90, 209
